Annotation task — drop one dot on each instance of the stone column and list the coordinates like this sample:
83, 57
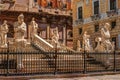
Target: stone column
64, 35
30, 4
29, 35
48, 32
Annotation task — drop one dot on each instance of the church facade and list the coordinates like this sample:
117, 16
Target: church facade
91, 15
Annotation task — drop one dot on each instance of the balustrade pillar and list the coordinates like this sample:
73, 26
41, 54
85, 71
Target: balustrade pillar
29, 35
48, 32
64, 35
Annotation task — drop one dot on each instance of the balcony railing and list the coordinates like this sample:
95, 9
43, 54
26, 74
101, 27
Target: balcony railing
96, 17
79, 21
112, 13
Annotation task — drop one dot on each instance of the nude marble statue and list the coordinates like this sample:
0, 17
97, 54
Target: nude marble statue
20, 41
3, 33
33, 28
86, 42
105, 33
79, 48
55, 37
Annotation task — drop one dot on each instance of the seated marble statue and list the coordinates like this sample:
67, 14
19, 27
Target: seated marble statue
33, 28
3, 34
86, 42
105, 43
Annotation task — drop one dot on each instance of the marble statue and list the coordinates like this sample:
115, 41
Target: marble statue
86, 42
113, 46
105, 43
79, 48
33, 28
20, 41
20, 28
55, 37
3, 34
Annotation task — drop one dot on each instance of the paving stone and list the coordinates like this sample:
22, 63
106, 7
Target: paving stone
104, 77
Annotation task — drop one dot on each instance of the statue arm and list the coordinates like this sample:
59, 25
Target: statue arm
102, 32
16, 27
7, 28
36, 26
23, 28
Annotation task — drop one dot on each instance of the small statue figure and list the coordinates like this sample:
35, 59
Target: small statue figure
20, 41
3, 34
78, 46
86, 42
55, 37
113, 46
33, 28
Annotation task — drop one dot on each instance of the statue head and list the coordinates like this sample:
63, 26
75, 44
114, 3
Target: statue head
33, 20
5, 22
21, 18
85, 32
107, 26
98, 39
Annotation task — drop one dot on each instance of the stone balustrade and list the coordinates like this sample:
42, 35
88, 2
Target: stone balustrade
42, 44
112, 13
95, 17
79, 21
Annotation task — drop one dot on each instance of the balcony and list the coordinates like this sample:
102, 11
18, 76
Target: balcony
79, 21
96, 17
112, 13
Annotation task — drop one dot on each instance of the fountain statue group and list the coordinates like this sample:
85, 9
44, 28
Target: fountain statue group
19, 32
20, 29
103, 42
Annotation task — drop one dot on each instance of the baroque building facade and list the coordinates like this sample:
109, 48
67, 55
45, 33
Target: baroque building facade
90, 16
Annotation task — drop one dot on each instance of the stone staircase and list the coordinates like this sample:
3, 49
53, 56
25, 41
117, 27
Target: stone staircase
42, 44
105, 60
65, 63
40, 60
47, 46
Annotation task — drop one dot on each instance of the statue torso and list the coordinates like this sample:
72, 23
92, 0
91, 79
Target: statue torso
20, 30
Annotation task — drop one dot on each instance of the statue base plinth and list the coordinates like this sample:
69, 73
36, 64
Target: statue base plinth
3, 46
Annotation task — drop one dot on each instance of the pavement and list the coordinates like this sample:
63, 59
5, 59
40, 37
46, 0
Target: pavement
104, 77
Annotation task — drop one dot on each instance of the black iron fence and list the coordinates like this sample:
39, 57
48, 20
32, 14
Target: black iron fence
24, 63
